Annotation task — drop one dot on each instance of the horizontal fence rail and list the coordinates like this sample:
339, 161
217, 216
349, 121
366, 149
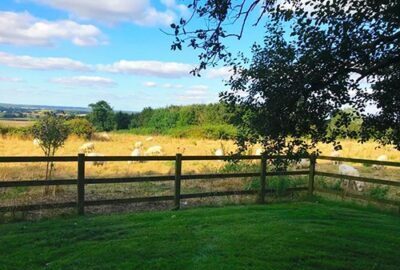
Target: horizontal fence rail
31, 183
359, 160
360, 179
81, 181
16, 159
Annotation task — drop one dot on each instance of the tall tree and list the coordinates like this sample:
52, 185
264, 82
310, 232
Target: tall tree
344, 52
122, 120
51, 133
101, 116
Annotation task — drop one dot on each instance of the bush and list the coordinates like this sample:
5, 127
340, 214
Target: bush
80, 127
239, 167
22, 132
379, 192
282, 183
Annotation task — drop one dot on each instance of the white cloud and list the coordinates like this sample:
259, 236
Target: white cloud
10, 79
24, 29
149, 68
223, 72
169, 86
44, 63
150, 84
195, 93
198, 89
91, 81
140, 12
138, 68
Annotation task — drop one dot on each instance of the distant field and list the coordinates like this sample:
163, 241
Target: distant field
16, 123
276, 236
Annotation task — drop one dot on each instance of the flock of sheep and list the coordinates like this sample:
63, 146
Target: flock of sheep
156, 150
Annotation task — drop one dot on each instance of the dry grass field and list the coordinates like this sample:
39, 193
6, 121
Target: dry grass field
122, 144
16, 123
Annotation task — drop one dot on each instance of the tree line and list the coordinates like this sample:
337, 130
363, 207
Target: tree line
212, 121
200, 120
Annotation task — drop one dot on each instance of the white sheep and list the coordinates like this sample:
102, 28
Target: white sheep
149, 139
154, 150
335, 154
103, 136
37, 142
345, 169
86, 147
97, 163
303, 163
219, 152
137, 152
380, 158
138, 144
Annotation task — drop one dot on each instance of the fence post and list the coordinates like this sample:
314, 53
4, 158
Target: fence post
311, 175
263, 176
178, 173
81, 184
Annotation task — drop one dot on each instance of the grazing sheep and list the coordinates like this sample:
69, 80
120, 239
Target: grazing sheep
335, 154
103, 136
303, 163
380, 158
86, 147
97, 163
137, 152
149, 139
155, 150
345, 169
138, 144
37, 142
219, 152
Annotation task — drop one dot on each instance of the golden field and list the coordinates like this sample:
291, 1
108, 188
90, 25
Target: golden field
122, 144
16, 123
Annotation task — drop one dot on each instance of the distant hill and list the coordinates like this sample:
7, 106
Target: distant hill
46, 107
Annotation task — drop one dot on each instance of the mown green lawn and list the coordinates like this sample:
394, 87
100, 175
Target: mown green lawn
277, 236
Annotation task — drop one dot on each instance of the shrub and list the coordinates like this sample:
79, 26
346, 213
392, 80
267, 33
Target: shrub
52, 132
80, 127
330, 184
22, 132
238, 167
379, 192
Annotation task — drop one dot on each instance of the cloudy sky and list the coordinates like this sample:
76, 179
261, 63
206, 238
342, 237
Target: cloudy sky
75, 52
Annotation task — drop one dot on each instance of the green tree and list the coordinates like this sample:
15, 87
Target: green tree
187, 116
122, 120
80, 127
142, 118
51, 131
345, 123
333, 49
101, 116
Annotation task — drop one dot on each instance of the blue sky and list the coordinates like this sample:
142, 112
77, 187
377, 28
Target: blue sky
75, 52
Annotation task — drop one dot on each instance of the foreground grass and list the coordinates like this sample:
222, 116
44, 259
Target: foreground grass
280, 236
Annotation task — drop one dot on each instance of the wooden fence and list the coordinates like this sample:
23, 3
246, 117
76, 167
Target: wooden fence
391, 183
81, 181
